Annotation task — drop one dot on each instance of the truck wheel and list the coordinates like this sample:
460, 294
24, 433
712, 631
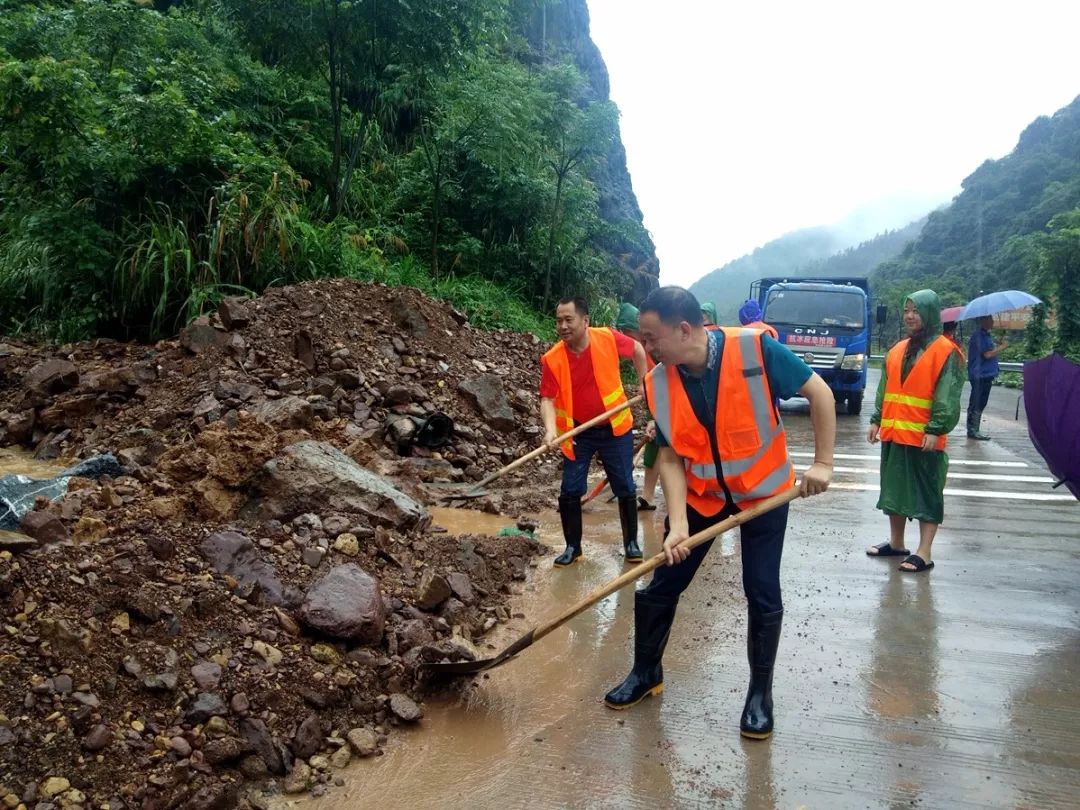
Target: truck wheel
854, 404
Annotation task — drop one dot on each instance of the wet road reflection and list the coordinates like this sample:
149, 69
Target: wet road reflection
957, 688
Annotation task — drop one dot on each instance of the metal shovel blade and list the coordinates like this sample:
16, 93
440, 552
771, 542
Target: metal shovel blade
452, 668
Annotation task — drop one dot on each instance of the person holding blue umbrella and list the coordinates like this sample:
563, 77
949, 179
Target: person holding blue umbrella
982, 363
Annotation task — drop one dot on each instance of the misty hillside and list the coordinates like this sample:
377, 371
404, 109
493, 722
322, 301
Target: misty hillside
978, 242
820, 251
729, 285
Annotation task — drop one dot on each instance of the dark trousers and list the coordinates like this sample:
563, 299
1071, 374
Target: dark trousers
762, 541
616, 454
980, 393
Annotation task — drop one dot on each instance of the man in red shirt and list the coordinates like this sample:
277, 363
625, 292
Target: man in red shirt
579, 380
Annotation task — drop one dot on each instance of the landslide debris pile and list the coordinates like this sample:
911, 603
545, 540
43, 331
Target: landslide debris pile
248, 606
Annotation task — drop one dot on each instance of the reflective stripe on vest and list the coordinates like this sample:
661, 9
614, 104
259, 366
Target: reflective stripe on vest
753, 453
604, 354
764, 327
908, 403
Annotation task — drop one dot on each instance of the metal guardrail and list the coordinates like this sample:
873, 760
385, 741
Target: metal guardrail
1001, 366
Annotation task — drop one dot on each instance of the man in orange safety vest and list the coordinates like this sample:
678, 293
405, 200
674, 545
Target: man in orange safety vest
722, 449
580, 379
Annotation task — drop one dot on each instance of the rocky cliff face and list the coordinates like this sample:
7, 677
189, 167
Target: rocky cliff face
561, 30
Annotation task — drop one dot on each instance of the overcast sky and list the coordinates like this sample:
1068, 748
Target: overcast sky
745, 120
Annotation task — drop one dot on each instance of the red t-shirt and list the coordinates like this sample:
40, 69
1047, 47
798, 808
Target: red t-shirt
586, 393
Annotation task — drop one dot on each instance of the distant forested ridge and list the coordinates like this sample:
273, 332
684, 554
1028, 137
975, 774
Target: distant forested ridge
1015, 224
157, 156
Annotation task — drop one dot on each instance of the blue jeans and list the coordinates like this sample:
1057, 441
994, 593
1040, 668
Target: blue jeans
616, 454
762, 544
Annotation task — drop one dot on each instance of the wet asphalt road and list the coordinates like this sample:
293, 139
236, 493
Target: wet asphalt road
959, 687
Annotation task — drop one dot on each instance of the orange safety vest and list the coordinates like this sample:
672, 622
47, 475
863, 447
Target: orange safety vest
605, 365
905, 412
763, 327
749, 434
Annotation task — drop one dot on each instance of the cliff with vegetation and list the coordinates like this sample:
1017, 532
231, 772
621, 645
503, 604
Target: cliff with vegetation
158, 156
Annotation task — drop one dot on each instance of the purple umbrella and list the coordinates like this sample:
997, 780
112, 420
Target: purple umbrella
1052, 401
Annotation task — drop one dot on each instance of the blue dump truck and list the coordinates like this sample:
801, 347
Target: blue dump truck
826, 321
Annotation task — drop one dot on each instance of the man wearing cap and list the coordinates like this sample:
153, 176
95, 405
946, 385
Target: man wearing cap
750, 317
722, 449
580, 379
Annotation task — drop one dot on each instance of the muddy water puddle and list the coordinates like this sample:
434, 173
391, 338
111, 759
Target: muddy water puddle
19, 462
534, 731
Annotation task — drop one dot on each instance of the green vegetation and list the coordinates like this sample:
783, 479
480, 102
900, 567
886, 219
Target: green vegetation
157, 156
1015, 225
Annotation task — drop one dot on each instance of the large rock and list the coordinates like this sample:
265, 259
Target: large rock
308, 739
486, 393
234, 554
287, 413
199, 336
315, 477
270, 751
347, 603
45, 527
233, 313
52, 377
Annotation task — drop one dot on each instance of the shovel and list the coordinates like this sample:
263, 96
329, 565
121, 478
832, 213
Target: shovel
537, 633
539, 451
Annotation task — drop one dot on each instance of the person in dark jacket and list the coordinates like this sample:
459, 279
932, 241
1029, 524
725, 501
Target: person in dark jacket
982, 361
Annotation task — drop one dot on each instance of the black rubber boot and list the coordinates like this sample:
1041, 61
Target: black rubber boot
762, 639
974, 421
653, 616
570, 513
628, 518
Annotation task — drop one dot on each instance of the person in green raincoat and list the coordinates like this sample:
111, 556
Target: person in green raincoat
708, 309
627, 323
913, 477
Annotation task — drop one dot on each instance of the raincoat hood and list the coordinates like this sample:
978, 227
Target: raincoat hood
709, 308
749, 312
928, 305
627, 317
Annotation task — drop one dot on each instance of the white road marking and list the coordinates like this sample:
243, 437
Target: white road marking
1020, 479
969, 462
970, 493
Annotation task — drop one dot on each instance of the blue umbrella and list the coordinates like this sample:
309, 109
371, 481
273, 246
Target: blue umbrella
996, 302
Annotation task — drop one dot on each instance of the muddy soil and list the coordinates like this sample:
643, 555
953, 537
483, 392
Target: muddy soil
204, 624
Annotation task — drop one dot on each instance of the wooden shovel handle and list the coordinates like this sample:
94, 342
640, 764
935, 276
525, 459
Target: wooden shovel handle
657, 560
596, 420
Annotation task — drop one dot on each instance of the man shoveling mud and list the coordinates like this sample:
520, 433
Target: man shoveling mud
722, 449
580, 379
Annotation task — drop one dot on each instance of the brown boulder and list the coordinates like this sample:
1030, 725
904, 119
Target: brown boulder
199, 335
234, 554
45, 527
347, 603
52, 377
233, 313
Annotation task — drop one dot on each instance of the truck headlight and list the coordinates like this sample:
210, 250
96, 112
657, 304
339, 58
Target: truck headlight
853, 362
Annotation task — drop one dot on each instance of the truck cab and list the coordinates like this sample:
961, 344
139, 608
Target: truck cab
826, 322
